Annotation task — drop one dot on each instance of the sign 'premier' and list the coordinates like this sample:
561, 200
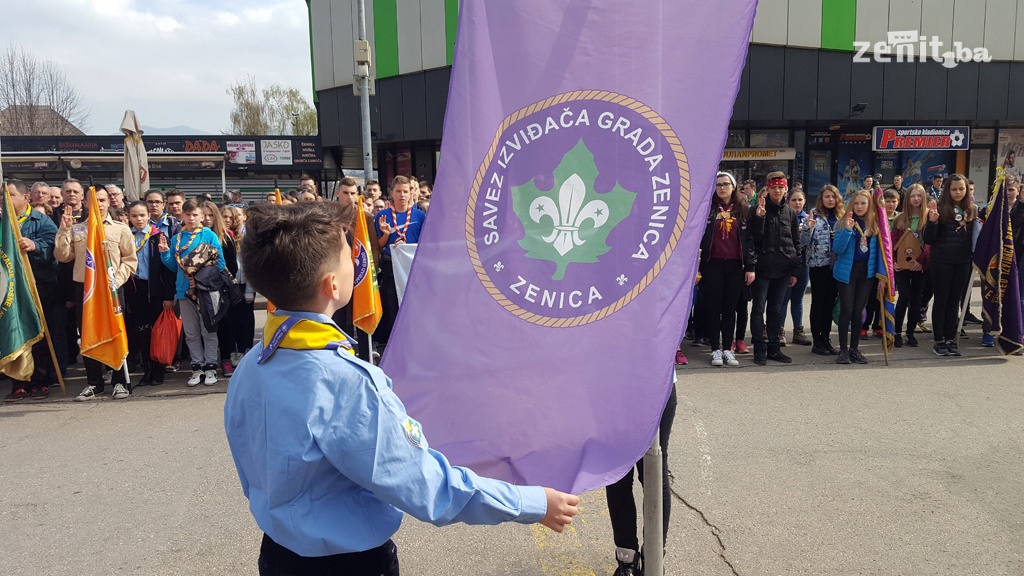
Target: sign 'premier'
910, 46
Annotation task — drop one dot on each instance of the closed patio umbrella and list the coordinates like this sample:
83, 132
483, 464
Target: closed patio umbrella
136, 163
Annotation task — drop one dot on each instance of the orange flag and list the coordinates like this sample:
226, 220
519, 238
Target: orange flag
103, 335
366, 307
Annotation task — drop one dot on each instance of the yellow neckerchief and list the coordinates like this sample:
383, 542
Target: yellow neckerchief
148, 232
24, 217
178, 250
293, 333
725, 215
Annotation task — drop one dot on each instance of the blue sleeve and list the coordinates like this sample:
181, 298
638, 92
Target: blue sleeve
168, 257
44, 236
369, 437
842, 240
376, 223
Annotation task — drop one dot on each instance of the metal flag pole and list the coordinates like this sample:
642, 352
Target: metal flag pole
654, 505
363, 59
964, 305
653, 508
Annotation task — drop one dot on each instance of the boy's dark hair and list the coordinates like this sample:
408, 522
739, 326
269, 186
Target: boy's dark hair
175, 192
188, 206
890, 194
288, 249
346, 181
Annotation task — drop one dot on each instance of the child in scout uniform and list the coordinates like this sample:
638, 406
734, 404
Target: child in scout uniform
325, 451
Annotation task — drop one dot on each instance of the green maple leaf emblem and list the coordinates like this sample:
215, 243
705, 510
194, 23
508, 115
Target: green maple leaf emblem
571, 222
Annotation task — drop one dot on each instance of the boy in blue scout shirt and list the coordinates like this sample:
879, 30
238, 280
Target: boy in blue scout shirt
325, 451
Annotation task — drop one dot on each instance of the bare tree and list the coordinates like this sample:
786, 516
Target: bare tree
272, 110
36, 98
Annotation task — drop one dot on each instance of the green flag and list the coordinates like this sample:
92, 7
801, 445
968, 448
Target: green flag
20, 326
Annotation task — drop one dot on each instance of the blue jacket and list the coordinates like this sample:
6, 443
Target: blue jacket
845, 246
168, 258
817, 242
329, 459
40, 229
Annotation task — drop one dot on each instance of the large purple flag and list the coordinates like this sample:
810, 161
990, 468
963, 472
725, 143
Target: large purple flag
997, 265
554, 276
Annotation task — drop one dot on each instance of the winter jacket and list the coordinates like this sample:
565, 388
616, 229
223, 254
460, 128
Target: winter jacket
845, 246
161, 280
214, 296
743, 231
773, 247
41, 230
187, 240
950, 243
817, 242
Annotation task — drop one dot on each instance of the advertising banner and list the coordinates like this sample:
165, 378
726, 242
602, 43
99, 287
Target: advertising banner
921, 138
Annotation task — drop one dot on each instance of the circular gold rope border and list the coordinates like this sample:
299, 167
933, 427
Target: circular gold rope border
684, 204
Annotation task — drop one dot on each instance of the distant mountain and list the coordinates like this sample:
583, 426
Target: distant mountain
173, 131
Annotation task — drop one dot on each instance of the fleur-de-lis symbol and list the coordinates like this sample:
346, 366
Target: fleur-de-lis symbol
569, 215
498, 266
622, 279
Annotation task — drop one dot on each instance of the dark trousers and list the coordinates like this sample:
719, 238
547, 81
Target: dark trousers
94, 368
948, 285
721, 283
853, 297
768, 296
698, 314
44, 373
742, 313
622, 507
389, 302
141, 313
243, 316
823, 301
873, 317
276, 560
909, 288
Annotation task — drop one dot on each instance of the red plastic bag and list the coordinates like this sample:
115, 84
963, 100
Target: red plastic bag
166, 333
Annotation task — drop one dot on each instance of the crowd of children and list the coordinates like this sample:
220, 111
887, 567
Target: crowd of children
170, 253
766, 248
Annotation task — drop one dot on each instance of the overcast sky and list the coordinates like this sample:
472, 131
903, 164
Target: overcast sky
169, 60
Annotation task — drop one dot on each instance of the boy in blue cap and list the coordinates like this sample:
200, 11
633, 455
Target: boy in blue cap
325, 451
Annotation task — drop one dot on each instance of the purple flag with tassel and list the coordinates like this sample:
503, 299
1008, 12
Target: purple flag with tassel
997, 265
554, 276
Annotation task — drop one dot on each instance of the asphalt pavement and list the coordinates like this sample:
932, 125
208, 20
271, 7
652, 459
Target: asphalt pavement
807, 469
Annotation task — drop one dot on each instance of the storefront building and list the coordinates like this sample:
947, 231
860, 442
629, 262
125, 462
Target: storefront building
195, 164
821, 75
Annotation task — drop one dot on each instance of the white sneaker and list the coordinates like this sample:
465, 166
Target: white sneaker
197, 377
730, 358
236, 357
716, 358
120, 392
88, 394
211, 378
